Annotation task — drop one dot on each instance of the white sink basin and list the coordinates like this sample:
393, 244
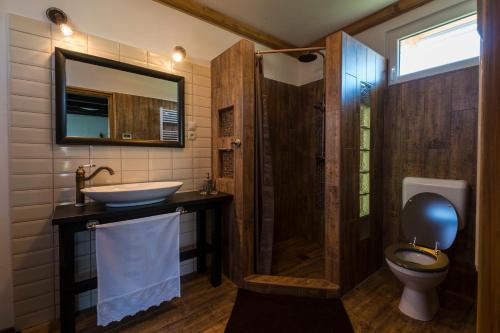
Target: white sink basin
132, 194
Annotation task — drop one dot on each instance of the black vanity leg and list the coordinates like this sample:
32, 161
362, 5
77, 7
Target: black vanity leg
216, 276
201, 241
67, 278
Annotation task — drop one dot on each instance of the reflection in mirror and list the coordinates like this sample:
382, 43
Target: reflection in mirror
88, 113
107, 102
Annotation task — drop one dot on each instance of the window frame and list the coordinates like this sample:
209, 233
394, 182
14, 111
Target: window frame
442, 17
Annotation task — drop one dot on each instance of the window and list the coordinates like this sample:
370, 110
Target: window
364, 149
449, 43
447, 40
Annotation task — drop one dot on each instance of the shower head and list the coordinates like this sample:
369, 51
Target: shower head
307, 57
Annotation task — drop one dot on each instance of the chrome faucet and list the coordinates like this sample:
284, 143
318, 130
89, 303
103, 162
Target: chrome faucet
81, 179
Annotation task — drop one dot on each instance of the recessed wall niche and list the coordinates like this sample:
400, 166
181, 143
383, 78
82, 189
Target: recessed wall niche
226, 163
226, 122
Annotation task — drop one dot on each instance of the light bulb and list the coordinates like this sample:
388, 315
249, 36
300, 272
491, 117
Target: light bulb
179, 54
66, 29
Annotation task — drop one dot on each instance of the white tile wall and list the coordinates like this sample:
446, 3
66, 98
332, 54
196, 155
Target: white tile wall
42, 173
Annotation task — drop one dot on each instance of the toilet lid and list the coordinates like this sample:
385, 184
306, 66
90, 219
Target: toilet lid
430, 218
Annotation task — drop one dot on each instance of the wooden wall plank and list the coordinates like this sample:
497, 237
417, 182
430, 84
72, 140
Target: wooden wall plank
333, 225
437, 103
412, 130
292, 117
311, 96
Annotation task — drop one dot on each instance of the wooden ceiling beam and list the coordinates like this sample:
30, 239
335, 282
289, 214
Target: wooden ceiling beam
217, 18
193, 8
381, 16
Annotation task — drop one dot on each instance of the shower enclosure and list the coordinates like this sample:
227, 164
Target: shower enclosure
305, 216
295, 114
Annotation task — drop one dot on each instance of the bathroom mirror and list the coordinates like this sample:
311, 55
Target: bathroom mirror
105, 102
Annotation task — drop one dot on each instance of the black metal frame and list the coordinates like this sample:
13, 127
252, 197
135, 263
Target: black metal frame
60, 75
69, 225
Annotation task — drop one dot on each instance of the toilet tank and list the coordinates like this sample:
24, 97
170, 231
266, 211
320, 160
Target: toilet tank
455, 191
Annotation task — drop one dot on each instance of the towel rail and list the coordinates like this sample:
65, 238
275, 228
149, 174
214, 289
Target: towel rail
91, 224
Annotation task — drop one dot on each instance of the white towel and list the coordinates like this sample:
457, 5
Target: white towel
138, 265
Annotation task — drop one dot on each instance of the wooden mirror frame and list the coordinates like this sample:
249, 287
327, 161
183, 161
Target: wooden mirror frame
61, 55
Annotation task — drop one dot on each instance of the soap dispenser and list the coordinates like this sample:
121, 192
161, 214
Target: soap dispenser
208, 186
211, 187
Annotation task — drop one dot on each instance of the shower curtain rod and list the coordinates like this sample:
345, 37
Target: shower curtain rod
292, 50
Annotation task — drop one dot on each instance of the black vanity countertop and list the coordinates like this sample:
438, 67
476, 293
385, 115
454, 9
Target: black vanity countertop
190, 201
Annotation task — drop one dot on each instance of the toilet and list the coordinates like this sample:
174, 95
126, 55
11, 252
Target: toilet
433, 212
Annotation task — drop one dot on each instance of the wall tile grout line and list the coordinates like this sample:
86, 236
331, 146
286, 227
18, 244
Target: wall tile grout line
25, 48
44, 98
31, 81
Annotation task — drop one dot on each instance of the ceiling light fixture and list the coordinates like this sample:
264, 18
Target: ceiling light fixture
179, 54
58, 17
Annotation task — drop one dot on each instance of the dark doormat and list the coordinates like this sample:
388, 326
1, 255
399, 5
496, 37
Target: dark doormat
254, 312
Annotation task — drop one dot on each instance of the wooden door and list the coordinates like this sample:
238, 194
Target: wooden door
233, 152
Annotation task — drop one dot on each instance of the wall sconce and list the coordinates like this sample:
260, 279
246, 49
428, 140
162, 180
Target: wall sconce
58, 17
179, 54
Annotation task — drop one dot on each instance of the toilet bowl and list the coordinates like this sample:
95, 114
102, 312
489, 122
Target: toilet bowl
430, 221
421, 271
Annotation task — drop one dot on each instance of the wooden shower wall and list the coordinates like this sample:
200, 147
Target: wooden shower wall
232, 164
351, 254
294, 127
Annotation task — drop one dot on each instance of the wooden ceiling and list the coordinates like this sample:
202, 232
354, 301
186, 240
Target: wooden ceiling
224, 21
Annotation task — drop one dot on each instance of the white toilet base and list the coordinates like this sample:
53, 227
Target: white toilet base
420, 305
419, 300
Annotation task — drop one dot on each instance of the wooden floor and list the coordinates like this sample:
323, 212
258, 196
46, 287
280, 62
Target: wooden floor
372, 307
298, 257
201, 308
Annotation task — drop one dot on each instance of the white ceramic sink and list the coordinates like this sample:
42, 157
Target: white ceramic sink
132, 194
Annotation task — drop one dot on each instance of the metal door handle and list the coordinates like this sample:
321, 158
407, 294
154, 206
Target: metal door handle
236, 142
